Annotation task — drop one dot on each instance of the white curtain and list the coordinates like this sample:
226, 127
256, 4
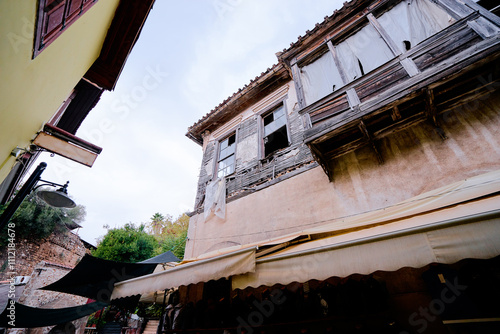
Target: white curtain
215, 199
414, 21
365, 47
319, 78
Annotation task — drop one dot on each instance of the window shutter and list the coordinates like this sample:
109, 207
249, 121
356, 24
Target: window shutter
53, 16
74, 8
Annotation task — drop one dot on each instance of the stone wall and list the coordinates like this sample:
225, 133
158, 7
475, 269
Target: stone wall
62, 248
44, 274
46, 261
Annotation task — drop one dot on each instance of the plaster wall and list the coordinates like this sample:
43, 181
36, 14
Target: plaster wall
31, 90
416, 160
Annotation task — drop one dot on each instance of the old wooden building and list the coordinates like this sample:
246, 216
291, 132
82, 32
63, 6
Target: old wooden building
353, 187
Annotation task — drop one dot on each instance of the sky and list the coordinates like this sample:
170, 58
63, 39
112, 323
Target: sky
191, 55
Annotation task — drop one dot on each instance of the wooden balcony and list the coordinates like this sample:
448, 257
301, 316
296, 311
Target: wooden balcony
449, 69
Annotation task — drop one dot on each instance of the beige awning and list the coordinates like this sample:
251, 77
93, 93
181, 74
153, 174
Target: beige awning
226, 265
461, 220
441, 198
468, 230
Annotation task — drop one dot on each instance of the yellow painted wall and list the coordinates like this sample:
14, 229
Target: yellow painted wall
31, 90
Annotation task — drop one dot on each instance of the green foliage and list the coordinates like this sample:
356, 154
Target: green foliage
36, 220
126, 244
173, 236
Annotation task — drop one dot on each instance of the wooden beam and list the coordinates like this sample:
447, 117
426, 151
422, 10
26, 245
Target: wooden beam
336, 60
409, 66
320, 159
306, 119
352, 98
396, 50
395, 114
483, 27
431, 112
369, 139
483, 11
298, 85
454, 8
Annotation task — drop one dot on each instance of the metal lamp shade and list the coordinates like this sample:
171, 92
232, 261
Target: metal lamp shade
56, 198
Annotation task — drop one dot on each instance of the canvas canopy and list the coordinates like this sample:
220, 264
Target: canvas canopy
445, 225
94, 278
162, 258
412, 242
21, 316
226, 265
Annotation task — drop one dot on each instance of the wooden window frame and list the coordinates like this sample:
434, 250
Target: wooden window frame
217, 152
261, 116
63, 11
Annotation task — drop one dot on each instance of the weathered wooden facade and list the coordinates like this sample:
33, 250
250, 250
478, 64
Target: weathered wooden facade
354, 186
371, 76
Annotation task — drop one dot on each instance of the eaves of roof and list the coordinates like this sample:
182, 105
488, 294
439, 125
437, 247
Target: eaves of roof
234, 104
121, 37
259, 87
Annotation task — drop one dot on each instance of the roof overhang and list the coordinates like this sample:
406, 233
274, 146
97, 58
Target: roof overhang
257, 89
124, 31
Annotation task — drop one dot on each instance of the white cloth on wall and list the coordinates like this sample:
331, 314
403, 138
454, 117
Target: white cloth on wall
348, 61
414, 21
215, 199
319, 78
366, 47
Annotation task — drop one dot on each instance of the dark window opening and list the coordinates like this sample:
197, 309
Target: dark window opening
226, 160
407, 45
276, 141
275, 132
491, 5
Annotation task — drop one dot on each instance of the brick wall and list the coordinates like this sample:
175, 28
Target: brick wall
63, 248
46, 261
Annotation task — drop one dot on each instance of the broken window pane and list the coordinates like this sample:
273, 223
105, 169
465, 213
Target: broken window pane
274, 121
275, 131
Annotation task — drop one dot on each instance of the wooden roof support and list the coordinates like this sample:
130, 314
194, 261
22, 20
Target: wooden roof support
320, 159
369, 139
336, 59
298, 85
431, 112
396, 116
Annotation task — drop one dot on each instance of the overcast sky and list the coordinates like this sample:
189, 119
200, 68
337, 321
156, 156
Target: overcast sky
191, 55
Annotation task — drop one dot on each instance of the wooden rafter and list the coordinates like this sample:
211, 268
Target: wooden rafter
431, 112
369, 139
322, 162
396, 115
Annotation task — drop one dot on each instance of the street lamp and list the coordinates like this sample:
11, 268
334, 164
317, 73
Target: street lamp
58, 198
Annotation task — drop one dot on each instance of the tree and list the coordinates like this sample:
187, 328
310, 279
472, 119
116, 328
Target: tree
126, 244
36, 220
174, 235
156, 225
